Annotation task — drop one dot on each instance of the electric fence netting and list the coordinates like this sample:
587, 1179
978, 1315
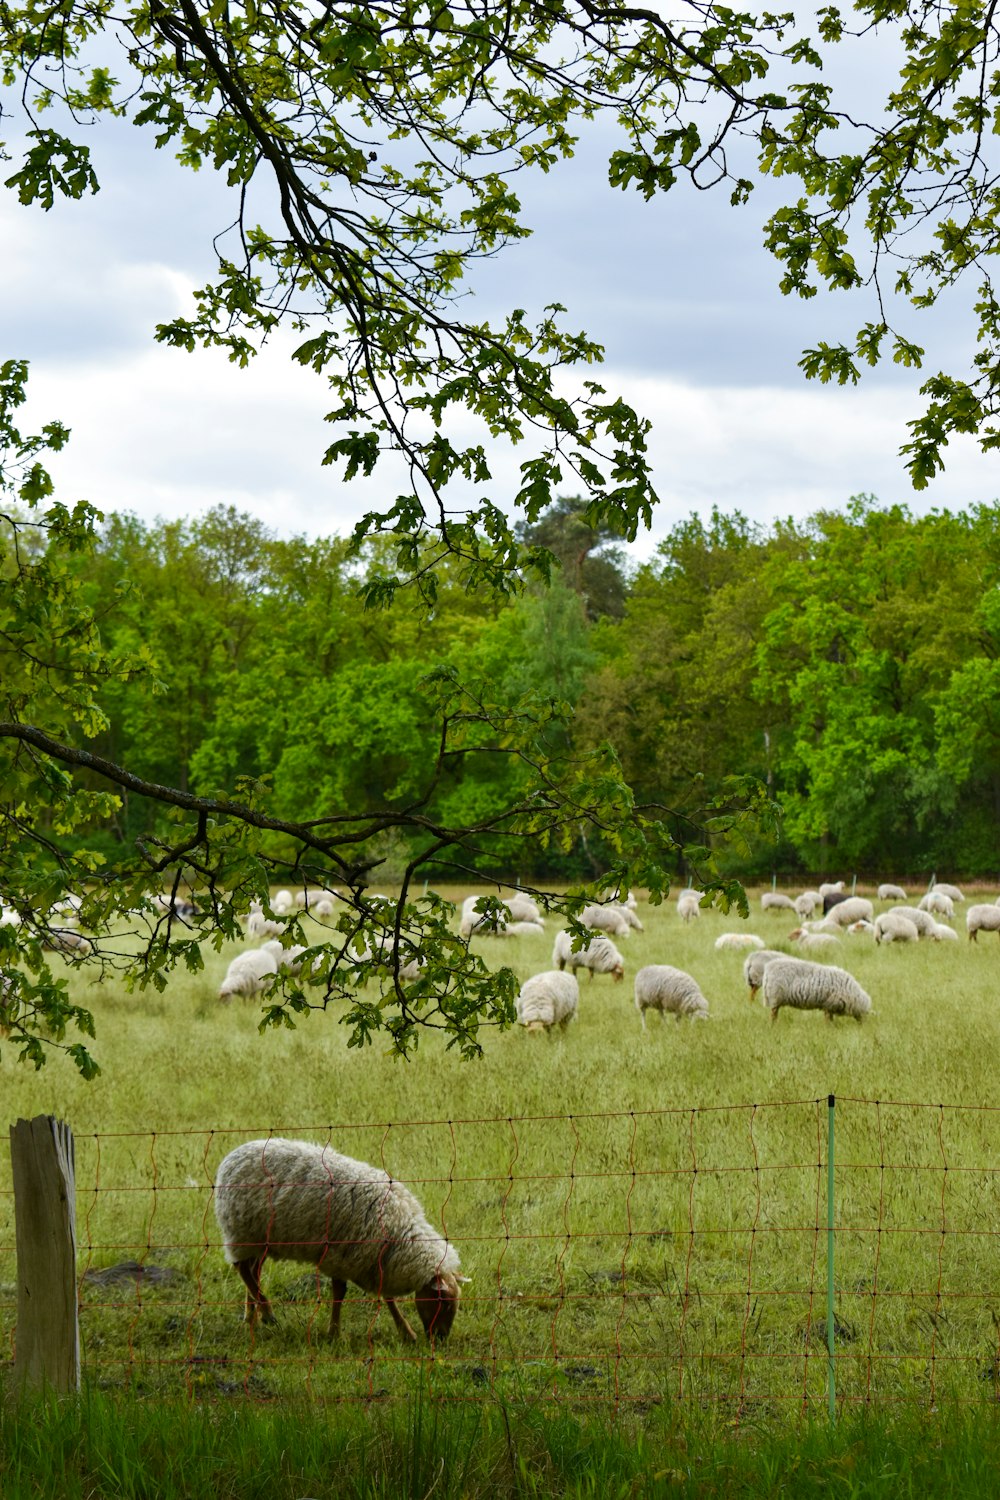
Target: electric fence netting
738, 1255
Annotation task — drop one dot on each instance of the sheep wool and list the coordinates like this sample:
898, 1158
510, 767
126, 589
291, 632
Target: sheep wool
922, 920
522, 908
831, 888
853, 909
891, 893
800, 985
754, 966
739, 940
982, 919
775, 901
810, 941
608, 919
547, 1000
600, 956
689, 907
807, 903
951, 891
944, 934
295, 1200
936, 901
659, 987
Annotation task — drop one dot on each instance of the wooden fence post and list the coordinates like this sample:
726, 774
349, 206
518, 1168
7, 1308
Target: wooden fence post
48, 1335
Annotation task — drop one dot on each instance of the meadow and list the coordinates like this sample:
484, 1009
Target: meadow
642, 1214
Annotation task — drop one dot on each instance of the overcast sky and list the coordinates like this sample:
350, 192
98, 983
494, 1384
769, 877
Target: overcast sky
680, 292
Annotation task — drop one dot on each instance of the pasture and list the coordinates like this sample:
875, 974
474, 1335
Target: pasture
642, 1214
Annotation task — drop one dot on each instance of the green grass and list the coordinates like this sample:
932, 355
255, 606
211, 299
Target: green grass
605, 1268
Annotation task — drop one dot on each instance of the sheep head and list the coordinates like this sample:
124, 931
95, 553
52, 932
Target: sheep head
437, 1303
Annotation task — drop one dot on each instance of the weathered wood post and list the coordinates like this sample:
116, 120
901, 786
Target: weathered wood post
48, 1335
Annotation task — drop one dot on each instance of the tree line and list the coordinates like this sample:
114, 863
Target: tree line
849, 663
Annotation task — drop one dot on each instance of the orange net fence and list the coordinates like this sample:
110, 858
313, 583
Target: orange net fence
670, 1255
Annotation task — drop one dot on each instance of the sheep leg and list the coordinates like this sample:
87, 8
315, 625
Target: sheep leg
409, 1337
338, 1290
774, 1014
255, 1300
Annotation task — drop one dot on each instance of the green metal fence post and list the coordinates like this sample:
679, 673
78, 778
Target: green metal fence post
831, 1368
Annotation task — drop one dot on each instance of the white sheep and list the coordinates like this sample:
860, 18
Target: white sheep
800, 985
891, 893
922, 920
811, 941
829, 888
259, 926
521, 929
739, 940
64, 940
936, 901
285, 958
522, 908
609, 919
754, 966
807, 903
294, 1200
854, 909
282, 903
944, 934
247, 973
689, 907
775, 901
893, 927
951, 891
476, 921
548, 999
659, 987
600, 956
982, 919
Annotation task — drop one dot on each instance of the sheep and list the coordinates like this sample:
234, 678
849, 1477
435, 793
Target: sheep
9, 917
608, 919
282, 903
689, 907
474, 921
738, 940
834, 898
828, 888
754, 966
247, 973
982, 919
951, 891
259, 926
64, 940
811, 941
522, 908
521, 929
893, 927
659, 987
295, 1200
937, 901
285, 958
807, 902
600, 956
775, 901
548, 999
802, 985
852, 909
628, 912
922, 920
943, 933
861, 927
891, 893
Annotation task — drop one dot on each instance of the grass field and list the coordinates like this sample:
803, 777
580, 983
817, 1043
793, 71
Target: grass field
642, 1214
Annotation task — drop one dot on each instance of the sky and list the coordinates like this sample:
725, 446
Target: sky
680, 292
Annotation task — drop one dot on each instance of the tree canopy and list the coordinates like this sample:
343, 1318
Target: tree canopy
372, 154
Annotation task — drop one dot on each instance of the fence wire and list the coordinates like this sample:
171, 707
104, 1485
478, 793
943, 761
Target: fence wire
639, 1257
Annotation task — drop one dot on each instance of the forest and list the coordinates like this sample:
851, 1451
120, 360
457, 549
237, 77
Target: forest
850, 664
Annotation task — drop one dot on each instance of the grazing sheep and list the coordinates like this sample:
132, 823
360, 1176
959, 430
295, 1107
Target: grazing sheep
754, 966
610, 919
811, 941
861, 927
64, 940
522, 908
851, 909
937, 902
951, 891
659, 987
548, 999
475, 921
285, 958
9, 917
600, 956
739, 940
893, 927
891, 893
834, 898
982, 919
689, 907
828, 888
248, 973
282, 903
922, 920
521, 929
802, 985
259, 926
775, 901
628, 912
944, 934
294, 1200
807, 903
